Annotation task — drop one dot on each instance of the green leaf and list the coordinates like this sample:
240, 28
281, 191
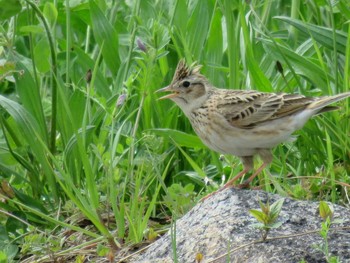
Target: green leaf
192, 163
34, 29
180, 16
265, 208
83, 64
275, 209
344, 8
106, 37
300, 63
16, 226
181, 138
50, 12
31, 202
215, 44
30, 131
3, 234
259, 215
102, 250
29, 95
42, 52
197, 27
3, 257
322, 35
325, 210
179, 198
9, 8
231, 32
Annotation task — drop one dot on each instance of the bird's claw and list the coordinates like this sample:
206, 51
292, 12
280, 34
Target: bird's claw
243, 185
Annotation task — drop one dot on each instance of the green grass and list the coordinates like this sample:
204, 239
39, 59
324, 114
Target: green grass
83, 136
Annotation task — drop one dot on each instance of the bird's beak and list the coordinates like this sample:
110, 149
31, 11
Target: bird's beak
169, 96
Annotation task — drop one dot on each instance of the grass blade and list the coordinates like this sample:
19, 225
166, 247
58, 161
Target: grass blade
322, 35
106, 37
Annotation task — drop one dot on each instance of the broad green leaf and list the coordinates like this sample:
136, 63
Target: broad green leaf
181, 138
180, 15
231, 41
81, 11
9, 8
215, 44
106, 37
82, 64
3, 256
325, 210
300, 63
275, 209
11, 251
7, 161
71, 152
322, 35
13, 225
42, 53
30, 97
197, 28
3, 234
259, 215
102, 251
50, 12
344, 8
265, 208
34, 137
34, 29
76, 102
192, 163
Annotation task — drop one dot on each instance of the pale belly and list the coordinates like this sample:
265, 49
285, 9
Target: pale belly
247, 142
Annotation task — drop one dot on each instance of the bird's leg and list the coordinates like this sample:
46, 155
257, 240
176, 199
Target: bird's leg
250, 179
234, 179
266, 156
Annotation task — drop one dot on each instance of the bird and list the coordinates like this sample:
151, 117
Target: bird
243, 123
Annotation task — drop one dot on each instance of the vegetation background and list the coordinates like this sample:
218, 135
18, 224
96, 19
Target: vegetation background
91, 162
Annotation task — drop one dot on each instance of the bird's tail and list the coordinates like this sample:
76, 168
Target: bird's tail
321, 105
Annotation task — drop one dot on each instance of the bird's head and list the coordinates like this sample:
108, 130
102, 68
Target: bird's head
188, 87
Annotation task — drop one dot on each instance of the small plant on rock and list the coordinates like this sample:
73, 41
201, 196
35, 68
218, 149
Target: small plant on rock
326, 213
267, 216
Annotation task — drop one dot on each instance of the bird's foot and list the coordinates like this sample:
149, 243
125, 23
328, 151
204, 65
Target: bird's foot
244, 185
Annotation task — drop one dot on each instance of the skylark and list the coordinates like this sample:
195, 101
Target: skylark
244, 123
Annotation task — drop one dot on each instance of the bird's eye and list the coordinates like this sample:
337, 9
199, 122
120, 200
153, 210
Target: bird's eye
186, 84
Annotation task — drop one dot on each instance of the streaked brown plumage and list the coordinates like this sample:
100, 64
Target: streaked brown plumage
244, 123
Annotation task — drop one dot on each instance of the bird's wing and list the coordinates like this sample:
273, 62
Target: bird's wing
246, 109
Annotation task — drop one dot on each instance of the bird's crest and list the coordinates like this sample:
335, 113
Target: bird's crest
183, 71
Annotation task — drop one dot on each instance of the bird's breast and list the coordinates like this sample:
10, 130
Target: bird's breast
222, 137
215, 134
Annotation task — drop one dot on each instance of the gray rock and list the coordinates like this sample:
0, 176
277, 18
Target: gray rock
222, 226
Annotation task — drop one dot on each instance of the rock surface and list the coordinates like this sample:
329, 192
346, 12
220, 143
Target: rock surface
221, 229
